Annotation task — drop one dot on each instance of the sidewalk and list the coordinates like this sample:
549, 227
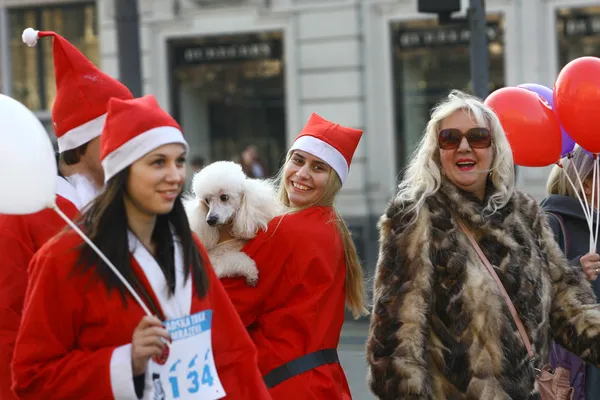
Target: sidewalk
354, 332
352, 357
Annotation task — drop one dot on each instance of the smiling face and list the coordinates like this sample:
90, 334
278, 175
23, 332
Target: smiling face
155, 181
465, 167
305, 178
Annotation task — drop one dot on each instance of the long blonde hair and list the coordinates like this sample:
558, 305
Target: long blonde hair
355, 287
581, 164
423, 175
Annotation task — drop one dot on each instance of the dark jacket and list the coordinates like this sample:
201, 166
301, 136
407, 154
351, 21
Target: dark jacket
569, 210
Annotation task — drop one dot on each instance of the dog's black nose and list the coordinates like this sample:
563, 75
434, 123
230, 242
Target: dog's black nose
212, 220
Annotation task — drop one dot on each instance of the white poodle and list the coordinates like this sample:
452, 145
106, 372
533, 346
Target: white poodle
225, 210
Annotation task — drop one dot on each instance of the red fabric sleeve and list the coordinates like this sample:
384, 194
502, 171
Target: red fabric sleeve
46, 363
235, 354
20, 237
269, 250
16, 250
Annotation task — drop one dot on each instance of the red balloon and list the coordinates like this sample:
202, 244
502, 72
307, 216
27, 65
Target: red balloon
577, 101
531, 126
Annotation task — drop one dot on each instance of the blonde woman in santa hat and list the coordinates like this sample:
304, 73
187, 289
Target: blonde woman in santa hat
78, 114
308, 271
83, 334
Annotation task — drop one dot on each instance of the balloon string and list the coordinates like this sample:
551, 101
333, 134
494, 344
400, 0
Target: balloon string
597, 181
577, 195
583, 206
105, 259
581, 189
592, 236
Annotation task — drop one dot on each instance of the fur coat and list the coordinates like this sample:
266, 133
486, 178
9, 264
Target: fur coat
440, 328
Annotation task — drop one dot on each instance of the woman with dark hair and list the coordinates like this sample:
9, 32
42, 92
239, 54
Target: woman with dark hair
84, 335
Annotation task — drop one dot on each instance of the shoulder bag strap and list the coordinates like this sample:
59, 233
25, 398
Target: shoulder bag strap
563, 230
507, 299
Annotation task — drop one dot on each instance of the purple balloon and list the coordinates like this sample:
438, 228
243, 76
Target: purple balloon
546, 93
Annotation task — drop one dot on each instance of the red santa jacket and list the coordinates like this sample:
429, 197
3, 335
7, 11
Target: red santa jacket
74, 340
20, 237
297, 306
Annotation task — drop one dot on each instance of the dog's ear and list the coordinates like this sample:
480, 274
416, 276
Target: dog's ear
196, 212
259, 206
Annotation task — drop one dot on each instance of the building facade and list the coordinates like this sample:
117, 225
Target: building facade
27, 74
239, 72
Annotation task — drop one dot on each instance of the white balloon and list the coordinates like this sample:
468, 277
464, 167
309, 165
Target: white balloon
27, 164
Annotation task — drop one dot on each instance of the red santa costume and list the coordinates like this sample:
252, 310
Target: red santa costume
296, 311
78, 114
75, 337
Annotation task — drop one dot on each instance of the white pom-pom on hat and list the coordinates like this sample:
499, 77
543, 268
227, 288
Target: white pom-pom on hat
30, 37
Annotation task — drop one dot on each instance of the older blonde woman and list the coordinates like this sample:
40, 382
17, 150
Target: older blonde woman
440, 327
571, 231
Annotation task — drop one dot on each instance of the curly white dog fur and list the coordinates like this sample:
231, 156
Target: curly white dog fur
225, 210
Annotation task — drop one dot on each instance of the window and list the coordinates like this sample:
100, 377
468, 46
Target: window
33, 68
228, 92
578, 32
428, 61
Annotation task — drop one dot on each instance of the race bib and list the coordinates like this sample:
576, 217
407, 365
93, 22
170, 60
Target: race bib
190, 372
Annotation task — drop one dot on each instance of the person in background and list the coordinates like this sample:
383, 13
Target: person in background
572, 234
251, 163
441, 327
197, 164
78, 114
308, 270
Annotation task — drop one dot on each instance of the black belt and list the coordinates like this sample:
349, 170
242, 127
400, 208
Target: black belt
300, 365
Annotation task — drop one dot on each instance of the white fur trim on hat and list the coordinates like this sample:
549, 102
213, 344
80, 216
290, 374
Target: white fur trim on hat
139, 146
81, 135
325, 152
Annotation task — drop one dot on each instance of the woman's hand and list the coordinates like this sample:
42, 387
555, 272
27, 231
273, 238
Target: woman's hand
590, 263
147, 342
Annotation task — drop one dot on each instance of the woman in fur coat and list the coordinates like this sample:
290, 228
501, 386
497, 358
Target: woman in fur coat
440, 328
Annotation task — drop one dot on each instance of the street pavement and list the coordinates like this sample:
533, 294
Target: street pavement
352, 356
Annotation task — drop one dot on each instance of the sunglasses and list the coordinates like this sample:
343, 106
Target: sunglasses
478, 138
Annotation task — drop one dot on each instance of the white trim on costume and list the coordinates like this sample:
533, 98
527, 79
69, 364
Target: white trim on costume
173, 306
66, 190
81, 134
85, 188
139, 146
121, 374
325, 152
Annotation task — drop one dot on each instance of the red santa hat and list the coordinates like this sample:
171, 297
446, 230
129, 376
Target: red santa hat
332, 143
133, 129
82, 92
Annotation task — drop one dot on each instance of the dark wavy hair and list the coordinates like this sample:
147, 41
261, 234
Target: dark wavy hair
105, 223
